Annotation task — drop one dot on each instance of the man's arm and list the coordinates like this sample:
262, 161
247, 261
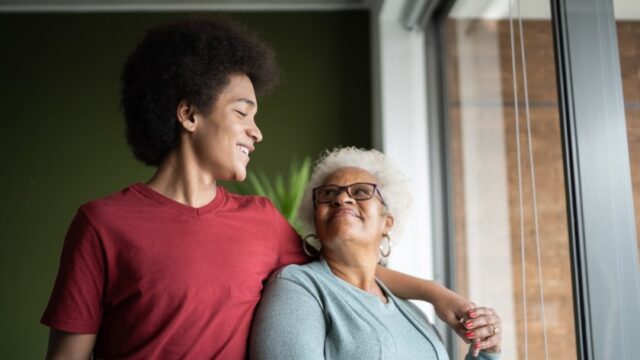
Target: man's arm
449, 306
68, 346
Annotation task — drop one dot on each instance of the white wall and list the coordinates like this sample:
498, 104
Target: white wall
400, 129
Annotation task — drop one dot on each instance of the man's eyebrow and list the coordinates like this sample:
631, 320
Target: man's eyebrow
245, 100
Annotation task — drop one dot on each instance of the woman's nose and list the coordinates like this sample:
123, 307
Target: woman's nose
343, 198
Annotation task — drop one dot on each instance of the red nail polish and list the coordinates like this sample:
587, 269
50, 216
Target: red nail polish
468, 324
469, 334
477, 345
472, 314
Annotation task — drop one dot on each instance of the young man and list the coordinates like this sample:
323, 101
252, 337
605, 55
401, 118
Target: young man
174, 268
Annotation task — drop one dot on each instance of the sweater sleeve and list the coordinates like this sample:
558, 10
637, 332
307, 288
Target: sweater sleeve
289, 324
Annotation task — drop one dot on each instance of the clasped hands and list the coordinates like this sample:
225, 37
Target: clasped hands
480, 326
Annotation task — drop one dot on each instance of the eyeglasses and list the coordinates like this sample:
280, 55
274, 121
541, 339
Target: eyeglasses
357, 191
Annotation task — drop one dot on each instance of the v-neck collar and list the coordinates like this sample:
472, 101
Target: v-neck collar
148, 192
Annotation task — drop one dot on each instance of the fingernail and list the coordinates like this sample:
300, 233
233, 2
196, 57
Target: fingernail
469, 334
468, 324
477, 345
472, 314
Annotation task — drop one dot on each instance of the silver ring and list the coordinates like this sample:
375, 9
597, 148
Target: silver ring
493, 330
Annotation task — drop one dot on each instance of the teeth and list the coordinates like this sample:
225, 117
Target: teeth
244, 149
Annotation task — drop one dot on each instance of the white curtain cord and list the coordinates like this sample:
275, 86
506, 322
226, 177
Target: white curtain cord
520, 200
533, 183
533, 179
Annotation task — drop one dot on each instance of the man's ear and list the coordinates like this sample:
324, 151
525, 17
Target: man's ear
186, 115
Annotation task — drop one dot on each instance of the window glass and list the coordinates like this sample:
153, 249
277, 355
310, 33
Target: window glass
509, 211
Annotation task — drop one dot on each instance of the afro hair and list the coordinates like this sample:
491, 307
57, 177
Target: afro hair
191, 60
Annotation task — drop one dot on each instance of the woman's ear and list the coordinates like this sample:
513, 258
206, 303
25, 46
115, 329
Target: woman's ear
186, 115
388, 223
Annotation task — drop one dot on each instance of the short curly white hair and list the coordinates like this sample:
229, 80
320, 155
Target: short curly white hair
391, 182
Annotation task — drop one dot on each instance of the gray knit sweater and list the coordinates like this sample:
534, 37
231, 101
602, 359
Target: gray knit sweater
306, 312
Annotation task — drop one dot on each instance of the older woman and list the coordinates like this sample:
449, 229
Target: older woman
335, 307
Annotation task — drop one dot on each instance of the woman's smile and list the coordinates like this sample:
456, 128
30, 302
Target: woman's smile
343, 212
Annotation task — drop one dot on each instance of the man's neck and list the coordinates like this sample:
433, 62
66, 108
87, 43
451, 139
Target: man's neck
181, 179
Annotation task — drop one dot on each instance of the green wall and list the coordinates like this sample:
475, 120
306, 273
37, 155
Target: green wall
63, 140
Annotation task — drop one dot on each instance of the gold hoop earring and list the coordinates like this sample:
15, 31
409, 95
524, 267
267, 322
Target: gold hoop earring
312, 241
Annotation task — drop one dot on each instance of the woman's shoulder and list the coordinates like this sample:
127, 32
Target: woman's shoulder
298, 279
307, 273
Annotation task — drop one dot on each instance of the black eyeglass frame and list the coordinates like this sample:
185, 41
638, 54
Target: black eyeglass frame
346, 189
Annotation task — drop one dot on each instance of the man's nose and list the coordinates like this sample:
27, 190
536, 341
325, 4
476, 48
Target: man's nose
255, 133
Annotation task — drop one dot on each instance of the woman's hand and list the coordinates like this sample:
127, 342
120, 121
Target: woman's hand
450, 308
481, 326
484, 329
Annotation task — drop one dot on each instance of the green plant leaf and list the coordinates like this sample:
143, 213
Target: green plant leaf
257, 186
300, 181
266, 183
286, 197
281, 193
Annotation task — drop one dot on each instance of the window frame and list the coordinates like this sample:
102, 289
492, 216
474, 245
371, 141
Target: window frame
588, 121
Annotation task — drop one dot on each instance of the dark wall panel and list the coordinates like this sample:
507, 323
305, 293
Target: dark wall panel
63, 140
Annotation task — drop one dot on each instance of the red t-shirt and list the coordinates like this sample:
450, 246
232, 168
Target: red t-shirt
156, 279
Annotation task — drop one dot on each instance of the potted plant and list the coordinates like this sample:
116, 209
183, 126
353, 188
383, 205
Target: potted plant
286, 196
